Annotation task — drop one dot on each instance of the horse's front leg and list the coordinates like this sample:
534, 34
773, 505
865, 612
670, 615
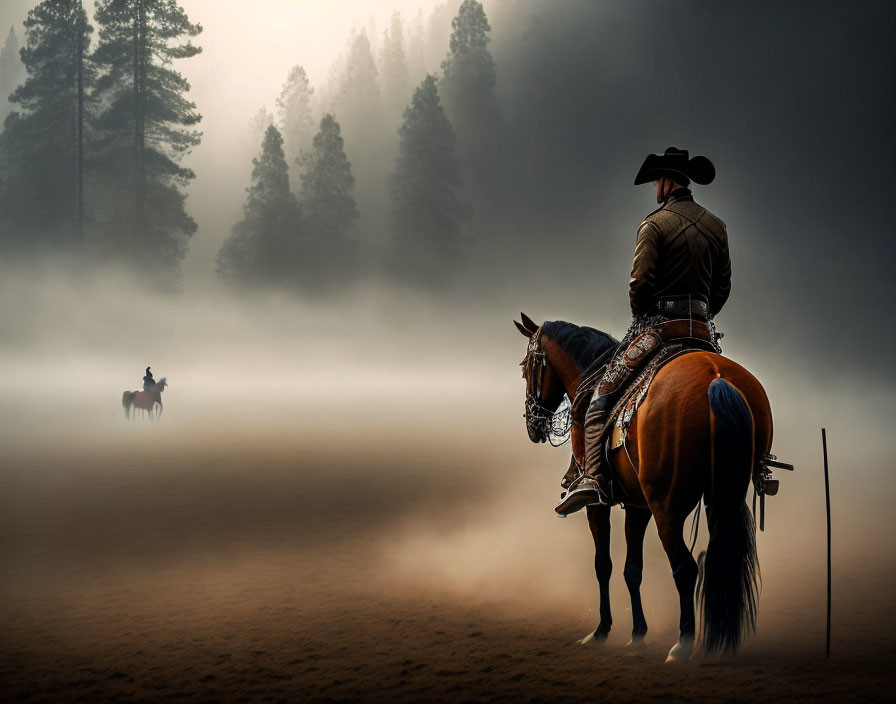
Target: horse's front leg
636, 520
599, 522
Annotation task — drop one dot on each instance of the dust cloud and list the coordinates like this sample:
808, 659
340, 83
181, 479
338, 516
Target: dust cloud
371, 431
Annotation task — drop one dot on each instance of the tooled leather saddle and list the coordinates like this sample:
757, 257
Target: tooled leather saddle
645, 355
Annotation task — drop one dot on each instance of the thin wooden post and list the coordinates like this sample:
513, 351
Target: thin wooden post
827, 501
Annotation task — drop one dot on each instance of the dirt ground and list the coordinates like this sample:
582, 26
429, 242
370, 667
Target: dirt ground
240, 575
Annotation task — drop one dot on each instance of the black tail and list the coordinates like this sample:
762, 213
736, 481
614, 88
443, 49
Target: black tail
729, 590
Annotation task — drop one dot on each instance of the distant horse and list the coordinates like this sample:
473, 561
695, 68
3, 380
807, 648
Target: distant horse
700, 431
144, 400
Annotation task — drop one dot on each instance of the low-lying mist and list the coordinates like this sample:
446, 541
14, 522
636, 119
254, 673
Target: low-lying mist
374, 425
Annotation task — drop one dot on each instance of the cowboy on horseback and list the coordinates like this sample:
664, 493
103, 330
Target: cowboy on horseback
148, 382
681, 278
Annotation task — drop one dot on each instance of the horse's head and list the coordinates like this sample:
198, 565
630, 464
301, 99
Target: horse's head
544, 389
161, 384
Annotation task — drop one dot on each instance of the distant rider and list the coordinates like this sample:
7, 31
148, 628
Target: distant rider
148, 381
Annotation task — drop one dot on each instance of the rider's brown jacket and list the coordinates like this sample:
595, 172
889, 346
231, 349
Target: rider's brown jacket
682, 250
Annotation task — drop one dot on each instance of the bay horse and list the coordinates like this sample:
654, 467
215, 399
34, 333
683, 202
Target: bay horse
701, 429
144, 400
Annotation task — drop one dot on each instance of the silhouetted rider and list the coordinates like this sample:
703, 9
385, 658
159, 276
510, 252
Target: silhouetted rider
148, 381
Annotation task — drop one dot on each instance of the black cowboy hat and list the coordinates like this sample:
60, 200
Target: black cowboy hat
674, 163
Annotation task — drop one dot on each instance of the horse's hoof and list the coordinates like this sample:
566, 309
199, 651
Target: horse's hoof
594, 638
681, 651
636, 643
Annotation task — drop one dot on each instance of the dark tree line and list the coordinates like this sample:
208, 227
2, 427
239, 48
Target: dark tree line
92, 150
92, 146
305, 243
449, 133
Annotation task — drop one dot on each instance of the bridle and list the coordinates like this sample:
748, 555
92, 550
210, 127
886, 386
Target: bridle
543, 423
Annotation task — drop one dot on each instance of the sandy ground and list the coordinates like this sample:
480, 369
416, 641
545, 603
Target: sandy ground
243, 575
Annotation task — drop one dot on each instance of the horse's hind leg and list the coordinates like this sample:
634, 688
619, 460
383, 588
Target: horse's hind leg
684, 571
599, 522
636, 520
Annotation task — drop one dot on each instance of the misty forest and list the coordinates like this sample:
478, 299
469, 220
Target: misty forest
394, 167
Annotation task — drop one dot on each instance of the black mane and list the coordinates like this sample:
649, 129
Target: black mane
584, 344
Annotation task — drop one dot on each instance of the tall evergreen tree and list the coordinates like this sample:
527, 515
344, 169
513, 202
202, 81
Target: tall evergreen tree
12, 71
427, 206
265, 244
43, 198
294, 114
394, 65
359, 101
147, 126
469, 69
327, 185
469, 74
360, 110
484, 140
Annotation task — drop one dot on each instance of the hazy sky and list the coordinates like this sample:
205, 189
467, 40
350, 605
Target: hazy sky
248, 47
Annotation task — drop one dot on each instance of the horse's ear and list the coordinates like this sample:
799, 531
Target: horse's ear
529, 323
525, 333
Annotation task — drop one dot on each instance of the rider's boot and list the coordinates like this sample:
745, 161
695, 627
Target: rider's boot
571, 473
593, 486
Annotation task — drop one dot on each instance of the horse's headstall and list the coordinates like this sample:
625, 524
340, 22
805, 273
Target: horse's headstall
535, 357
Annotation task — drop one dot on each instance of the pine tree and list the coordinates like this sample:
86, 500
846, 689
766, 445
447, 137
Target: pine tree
394, 65
427, 207
294, 114
484, 140
148, 126
469, 69
359, 102
43, 198
359, 108
265, 245
327, 185
12, 71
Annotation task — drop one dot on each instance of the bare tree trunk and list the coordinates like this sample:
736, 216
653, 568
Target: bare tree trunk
139, 127
79, 206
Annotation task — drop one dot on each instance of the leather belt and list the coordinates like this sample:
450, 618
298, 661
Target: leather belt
677, 329
682, 308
